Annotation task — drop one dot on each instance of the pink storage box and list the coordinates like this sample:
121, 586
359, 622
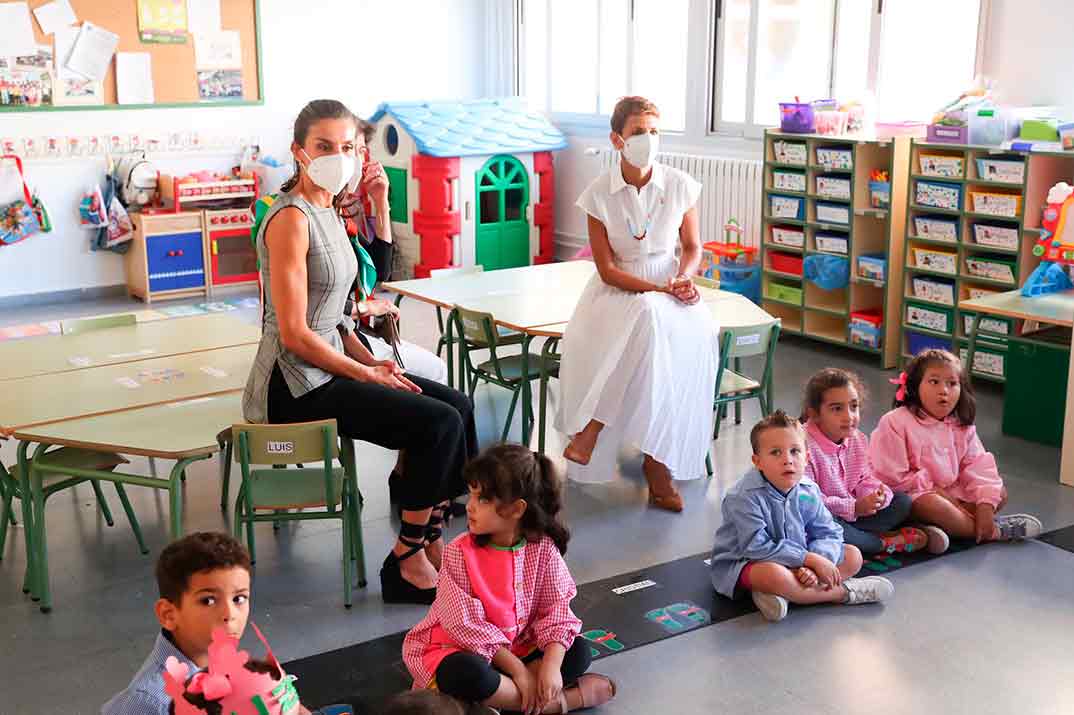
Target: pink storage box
948, 135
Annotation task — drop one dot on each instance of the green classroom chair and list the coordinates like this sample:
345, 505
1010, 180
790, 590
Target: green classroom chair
269, 494
100, 322
66, 457
479, 333
507, 337
733, 387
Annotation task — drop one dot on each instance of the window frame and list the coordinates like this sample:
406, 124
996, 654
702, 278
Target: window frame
703, 126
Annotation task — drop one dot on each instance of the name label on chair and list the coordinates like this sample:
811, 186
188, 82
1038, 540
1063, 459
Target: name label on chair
748, 339
280, 447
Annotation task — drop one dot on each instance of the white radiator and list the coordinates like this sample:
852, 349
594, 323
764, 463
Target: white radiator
731, 189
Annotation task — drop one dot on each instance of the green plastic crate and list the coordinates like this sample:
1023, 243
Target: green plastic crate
784, 292
1030, 412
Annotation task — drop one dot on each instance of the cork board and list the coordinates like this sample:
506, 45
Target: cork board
175, 81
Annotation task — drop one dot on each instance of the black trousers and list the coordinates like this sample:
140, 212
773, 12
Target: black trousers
436, 428
863, 531
469, 677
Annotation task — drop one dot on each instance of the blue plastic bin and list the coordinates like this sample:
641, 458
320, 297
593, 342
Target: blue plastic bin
744, 280
918, 342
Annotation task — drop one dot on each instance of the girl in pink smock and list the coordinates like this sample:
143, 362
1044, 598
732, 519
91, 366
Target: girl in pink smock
501, 631
928, 448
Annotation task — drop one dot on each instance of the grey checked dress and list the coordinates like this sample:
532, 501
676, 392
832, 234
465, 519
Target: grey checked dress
331, 268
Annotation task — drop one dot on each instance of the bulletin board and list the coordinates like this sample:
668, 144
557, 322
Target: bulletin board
175, 75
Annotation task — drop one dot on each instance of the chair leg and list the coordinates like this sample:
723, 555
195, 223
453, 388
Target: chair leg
237, 516
225, 475
719, 418
511, 414
708, 465
102, 502
135, 526
348, 576
359, 547
6, 515
153, 466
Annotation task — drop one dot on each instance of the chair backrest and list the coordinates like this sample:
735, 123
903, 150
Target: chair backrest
75, 326
286, 443
477, 329
448, 272
703, 282
747, 341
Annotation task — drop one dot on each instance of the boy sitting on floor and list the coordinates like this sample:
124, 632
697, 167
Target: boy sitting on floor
778, 541
204, 583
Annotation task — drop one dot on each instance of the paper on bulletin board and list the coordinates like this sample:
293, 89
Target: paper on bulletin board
16, 30
92, 51
162, 21
134, 78
55, 15
221, 50
203, 16
71, 87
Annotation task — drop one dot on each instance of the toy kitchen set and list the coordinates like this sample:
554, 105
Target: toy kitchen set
194, 238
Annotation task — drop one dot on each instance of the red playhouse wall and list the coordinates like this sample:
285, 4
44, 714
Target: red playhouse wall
544, 213
434, 222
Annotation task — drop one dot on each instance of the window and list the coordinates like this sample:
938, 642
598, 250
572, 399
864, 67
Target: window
580, 57
912, 55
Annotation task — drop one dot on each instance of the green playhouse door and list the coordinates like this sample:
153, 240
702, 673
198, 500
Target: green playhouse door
503, 231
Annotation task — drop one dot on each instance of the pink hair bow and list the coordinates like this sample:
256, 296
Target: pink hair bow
900, 394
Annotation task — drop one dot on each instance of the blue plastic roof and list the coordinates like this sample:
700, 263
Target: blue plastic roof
474, 128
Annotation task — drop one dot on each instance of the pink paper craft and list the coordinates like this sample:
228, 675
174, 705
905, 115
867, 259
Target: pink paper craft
228, 682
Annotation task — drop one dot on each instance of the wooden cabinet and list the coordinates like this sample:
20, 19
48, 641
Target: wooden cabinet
167, 256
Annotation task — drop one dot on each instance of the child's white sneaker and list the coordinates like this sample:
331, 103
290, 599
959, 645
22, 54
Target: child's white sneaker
772, 607
939, 542
1016, 527
867, 589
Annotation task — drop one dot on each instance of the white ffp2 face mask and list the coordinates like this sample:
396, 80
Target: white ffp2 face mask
640, 150
356, 177
331, 172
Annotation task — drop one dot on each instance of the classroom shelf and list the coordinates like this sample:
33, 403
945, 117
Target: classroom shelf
1042, 170
825, 315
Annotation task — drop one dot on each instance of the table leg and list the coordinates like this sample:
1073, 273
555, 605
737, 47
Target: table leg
971, 348
23, 468
175, 493
42, 589
546, 355
449, 331
527, 397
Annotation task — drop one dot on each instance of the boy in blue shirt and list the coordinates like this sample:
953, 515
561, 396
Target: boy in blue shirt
204, 584
778, 541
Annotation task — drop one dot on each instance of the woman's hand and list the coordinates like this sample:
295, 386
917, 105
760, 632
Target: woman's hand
374, 183
379, 306
549, 683
682, 289
387, 373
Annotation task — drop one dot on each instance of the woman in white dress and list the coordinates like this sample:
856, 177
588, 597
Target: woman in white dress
640, 354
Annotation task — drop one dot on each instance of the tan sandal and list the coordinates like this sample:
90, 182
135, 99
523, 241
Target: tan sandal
668, 502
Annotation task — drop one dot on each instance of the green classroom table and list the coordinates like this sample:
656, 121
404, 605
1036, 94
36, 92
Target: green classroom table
184, 431
32, 401
129, 343
1051, 309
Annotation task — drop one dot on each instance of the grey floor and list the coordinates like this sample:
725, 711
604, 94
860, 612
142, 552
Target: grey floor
986, 631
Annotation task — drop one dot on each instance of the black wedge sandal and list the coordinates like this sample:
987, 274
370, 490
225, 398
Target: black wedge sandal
393, 587
438, 520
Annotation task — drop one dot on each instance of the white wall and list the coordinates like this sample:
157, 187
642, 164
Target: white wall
359, 51
1029, 52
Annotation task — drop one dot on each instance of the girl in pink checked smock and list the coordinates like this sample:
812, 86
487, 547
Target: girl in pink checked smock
501, 631
928, 447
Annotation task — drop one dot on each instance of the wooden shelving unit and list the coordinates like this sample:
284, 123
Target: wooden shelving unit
1040, 171
825, 315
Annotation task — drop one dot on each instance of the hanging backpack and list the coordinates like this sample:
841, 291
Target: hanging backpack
26, 216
